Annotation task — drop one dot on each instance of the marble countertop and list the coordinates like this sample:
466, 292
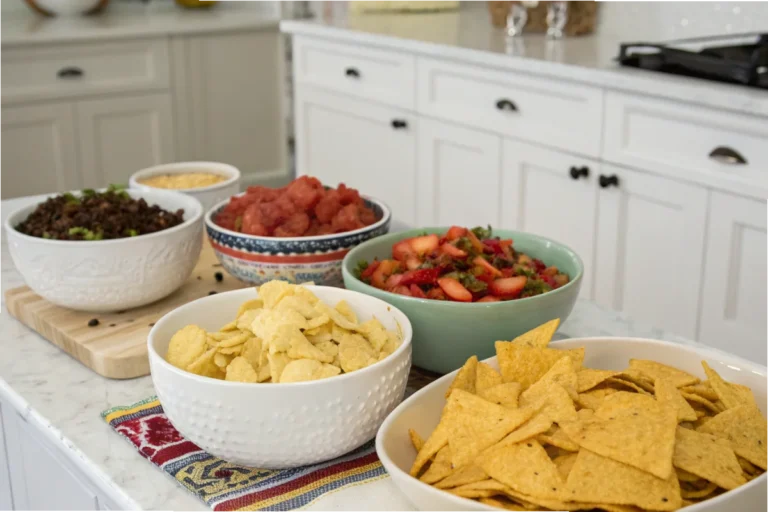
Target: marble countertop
63, 399
127, 20
468, 35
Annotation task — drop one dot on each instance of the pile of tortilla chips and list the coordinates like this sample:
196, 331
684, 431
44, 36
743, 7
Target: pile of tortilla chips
547, 433
286, 335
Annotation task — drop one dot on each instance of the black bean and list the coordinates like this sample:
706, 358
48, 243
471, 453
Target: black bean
219, 277
211, 293
93, 322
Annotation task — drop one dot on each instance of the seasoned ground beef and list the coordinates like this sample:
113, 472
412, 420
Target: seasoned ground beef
97, 216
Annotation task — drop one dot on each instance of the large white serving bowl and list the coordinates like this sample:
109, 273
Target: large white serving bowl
110, 275
278, 425
208, 196
422, 413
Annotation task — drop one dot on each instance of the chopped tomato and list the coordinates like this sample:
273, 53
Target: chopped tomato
368, 272
454, 290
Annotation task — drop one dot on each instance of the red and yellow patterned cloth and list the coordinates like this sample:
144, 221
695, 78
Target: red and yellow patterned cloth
225, 486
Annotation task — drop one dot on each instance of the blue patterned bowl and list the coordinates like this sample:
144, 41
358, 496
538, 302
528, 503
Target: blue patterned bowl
258, 259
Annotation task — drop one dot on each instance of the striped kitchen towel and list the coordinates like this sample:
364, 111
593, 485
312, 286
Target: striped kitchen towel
225, 486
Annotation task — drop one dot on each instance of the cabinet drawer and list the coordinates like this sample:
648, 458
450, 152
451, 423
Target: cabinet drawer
683, 140
546, 111
379, 75
77, 69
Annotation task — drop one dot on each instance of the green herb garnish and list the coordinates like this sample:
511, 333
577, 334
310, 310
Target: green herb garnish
70, 198
86, 233
483, 233
360, 268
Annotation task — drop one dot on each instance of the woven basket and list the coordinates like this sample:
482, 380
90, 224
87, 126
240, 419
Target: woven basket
582, 17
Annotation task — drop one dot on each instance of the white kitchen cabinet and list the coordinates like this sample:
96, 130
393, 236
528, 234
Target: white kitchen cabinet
734, 293
364, 145
119, 136
457, 176
39, 154
6, 496
228, 94
649, 249
552, 194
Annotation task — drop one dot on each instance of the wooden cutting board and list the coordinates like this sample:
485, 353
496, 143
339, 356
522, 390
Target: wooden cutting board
117, 347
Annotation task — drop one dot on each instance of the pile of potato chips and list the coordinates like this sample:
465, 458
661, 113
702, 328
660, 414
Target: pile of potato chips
286, 335
546, 433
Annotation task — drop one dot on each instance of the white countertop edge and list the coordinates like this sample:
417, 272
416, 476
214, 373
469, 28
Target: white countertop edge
68, 449
736, 98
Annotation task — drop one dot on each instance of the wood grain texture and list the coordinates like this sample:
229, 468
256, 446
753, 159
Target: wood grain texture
117, 347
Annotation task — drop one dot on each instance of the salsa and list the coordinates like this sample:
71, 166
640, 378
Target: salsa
304, 207
464, 265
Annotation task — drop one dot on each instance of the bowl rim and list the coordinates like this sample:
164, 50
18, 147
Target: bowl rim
220, 168
448, 303
155, 356
699, 351
193, 203
385, 218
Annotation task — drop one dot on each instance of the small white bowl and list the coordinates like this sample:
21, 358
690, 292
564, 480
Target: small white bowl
208, 196
278, 426
110, 275
421, 412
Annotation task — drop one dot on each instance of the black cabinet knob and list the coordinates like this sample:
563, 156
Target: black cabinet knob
505, 104
579, 172
399, 124
352, 73
70, 72
608, 181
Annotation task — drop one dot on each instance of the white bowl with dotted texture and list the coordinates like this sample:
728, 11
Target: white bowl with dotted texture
422, 410
276, 426
208, 196
110, 275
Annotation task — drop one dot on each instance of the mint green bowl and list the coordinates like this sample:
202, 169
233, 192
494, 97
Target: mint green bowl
445, 333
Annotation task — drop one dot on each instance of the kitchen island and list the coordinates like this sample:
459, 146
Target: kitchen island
53, 433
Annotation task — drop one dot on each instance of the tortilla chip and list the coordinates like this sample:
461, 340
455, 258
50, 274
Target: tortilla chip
538, 337
561, 373
707, 456
666, 392
556, 436
744, 427
565, 464
464, 475
477, 424
704, 492
440, 467
656, 370
416, 440
465, 378
505, 394
593, 398
437, 440
587, 378
482, 489
747, 467
502, 503
728, 393
552, 399
597, 479
486, 377
699, 402
637, 378
525, 467
703, 389
527, 365
538, 423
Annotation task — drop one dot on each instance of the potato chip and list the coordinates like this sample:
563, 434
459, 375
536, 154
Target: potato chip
598, 479
707, 456
344, 308
505, 394
666, 392
274, 291
252, 352
486, 377
185, 346
478, 424
205, 365
277, 363
440, 467
337, 318
538, 337
525, 467
222, 360
240, 370
233, 341
356, 353
299, 347
587, 378
745, 429
465, 378
416, 440
269, 321
249, 304
393, 341
375, 333
564, 464
300, 305
299, 370
730, 395
245, 321
231, 326
317, 322
526, 365
467, 474
231, 351
656, 370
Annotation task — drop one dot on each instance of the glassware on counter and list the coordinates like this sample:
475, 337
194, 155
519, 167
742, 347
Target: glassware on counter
557, 17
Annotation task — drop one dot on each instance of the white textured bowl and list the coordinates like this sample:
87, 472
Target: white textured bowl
110, 275
422, 413
208, 196
278, 425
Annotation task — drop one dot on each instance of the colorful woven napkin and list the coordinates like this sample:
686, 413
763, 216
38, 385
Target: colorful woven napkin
225, 486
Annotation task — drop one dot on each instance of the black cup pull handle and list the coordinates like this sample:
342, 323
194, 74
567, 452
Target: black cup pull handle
352, 72
399, 124
726, 155
579, 172
70, 72
505, 104
609, 181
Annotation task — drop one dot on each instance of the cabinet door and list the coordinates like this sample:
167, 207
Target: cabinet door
39, 153
734, 292
366, 146
119, 136
539, 195
457, 176
6, 495
650, 246
228, 98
